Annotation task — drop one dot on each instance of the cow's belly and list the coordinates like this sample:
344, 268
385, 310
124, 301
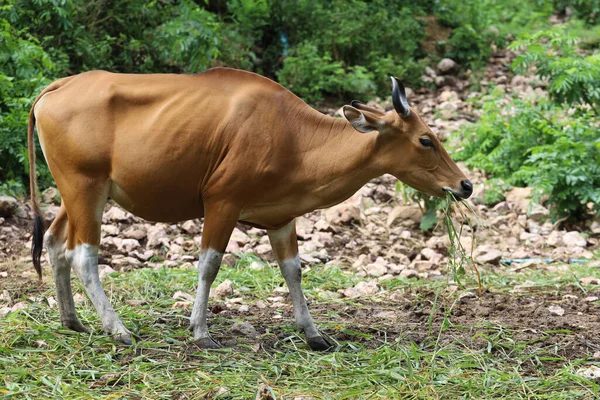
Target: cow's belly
159, 199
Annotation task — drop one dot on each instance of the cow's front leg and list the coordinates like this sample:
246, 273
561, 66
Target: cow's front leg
218, 226
285, 247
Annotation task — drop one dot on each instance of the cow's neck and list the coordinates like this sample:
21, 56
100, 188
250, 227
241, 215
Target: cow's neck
339, 160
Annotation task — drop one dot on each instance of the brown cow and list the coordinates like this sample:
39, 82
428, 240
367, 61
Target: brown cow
225, 145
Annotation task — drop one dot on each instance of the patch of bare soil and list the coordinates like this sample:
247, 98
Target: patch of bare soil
496, 322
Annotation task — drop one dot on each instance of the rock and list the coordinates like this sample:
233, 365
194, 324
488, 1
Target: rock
538, 212
239, 237
412, 212
431, 255
157, 236
323, 226
557, 310
589, 280
224, 289
408, 273
376, 270
109, 230
501, 207
590, 372
519, 199
262, 249
438, 242
485, 254
115, 214
136, 302
430, 72
361, 261
447, 66
243, 329
145, 256
125, 262
190, 227
532, 239
361, 289
343, 213
422, 265
8, 206
130, 244
595, 228
19, 306
179, 295
51, 196
105, 270
229, 259
182, 304
574, 238
447, 95
304, 227
137, 232
174, 248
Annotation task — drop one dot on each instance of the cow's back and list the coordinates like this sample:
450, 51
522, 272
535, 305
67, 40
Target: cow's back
158, 136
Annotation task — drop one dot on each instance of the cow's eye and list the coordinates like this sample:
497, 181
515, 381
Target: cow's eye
426, 142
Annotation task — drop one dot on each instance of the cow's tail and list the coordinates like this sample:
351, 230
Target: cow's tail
38, 221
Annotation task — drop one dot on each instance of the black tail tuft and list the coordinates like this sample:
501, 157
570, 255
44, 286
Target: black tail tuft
37, 243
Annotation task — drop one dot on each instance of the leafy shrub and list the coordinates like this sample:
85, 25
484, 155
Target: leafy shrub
310, 74
23, 65
573, 77
345, 33
587, 10
538, 144
189, 40
469, 46
493, 191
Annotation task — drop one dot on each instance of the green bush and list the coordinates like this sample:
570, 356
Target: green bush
23, 69
587, 10
550, 143
573, 77
537, 143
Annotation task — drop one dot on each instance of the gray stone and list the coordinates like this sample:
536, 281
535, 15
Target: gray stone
447, 66
244, 329
224, 289
8, 206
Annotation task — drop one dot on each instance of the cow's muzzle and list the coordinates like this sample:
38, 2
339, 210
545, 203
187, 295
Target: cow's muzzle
465, 191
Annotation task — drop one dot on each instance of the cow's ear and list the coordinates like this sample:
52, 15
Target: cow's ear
359, 120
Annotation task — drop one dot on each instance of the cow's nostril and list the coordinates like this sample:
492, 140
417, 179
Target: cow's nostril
467, 186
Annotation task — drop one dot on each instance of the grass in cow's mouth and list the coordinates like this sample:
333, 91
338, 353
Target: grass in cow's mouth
417, 345
460, 258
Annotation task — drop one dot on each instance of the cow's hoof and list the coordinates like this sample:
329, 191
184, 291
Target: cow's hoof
124, 338
318, 343
206, 343
75, 325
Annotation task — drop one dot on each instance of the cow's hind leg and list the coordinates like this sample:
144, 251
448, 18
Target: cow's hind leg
55, 240
84, 201
285, 247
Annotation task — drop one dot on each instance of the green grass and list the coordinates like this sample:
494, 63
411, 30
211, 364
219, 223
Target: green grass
366, 364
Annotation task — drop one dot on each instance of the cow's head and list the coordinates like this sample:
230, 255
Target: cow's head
408, 149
